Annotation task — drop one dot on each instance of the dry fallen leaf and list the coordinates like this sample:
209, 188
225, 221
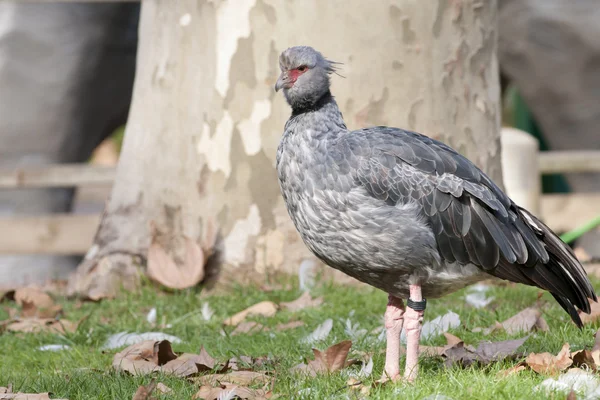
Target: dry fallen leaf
525, 321
164, 389
35, 325
546, 363
331, 360
596, 341
304, 301
289, 325
145, 392
164, 270
357, 385
584, 357
248, 327
264, 308
245, 363
35, 302
242, 378
485, 353
151, 356
189, 364
512, 370
144, 357
6, 393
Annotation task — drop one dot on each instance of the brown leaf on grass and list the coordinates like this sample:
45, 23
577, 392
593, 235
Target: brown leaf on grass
145, 392
436, 351
35, 297
37, 325
248, 327
304, 301
525, 321
596, 341
144, 357
153, 356
242, 378
189, 364
593, 316
485, 353
35, 302
452, 340
548, 364
331, 360
596, 349
164, 389
428, 351
289, 325
359, 386
264, 308
512, 370
229, 391
163, 269
6, 393
246, 363
584, 357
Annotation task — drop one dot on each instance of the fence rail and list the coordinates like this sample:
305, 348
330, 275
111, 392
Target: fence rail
60, 175
70, 234
67, 175
64, 234
557, 162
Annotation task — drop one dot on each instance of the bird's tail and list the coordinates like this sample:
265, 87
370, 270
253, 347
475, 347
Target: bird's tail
561, 274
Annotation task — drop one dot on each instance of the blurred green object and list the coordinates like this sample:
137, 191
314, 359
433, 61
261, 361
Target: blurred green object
118, 135
524, 120
576, 233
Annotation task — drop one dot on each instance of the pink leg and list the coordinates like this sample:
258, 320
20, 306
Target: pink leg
394, 315
414, 322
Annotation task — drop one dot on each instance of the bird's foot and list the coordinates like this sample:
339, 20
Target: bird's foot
398, 378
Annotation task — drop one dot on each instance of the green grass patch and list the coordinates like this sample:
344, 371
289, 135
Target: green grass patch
84, 371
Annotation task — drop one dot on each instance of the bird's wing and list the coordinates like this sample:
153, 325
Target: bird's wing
473, 221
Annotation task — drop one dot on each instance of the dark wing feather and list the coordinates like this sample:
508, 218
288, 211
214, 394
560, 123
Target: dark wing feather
473, 221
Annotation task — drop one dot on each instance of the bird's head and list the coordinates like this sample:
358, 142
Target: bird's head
304, 76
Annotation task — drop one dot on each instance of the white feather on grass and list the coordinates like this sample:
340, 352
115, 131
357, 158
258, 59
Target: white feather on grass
53, 347
320, 333
127, 339
151, 316
206, 312
437, 326
306, 275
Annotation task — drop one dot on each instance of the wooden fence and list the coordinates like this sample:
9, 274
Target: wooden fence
73, 233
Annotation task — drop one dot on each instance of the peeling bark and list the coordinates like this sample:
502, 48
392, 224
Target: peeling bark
204, 97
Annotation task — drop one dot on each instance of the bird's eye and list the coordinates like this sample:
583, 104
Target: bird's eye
302, 68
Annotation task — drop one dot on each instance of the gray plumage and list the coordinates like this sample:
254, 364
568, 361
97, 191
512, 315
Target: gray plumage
391, 207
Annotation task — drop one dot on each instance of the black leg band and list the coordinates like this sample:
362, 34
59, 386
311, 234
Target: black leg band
417, 305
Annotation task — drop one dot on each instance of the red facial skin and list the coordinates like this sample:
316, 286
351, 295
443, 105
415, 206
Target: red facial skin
294, 74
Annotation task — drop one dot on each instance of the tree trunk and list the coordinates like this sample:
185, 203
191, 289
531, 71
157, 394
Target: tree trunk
204, 127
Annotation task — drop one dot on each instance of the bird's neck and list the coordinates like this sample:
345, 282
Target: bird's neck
302, 106
324, 110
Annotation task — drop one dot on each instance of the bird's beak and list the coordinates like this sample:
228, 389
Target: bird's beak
283, 81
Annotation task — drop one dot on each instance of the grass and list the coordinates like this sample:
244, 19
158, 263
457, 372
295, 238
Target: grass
84, 371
